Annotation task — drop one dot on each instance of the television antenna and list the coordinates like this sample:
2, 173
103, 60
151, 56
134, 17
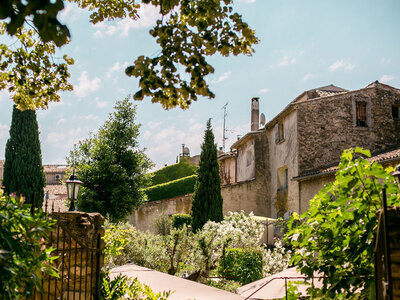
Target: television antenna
224, 138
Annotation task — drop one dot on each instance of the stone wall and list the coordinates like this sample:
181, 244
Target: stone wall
245, 160
78, 243
144, 217
251, 195
326, 127
308, 189
283, 156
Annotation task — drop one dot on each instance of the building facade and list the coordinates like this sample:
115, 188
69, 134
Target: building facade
279, 167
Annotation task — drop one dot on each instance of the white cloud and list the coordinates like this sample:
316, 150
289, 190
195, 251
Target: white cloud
89, 117
385, 60
101, 104
341, 64
60, 121
263, 91
70, 13
386, 78
4, 95
221, 78
148, 15
286, 60
4, 129
64, 139
86, 86
153, 124
309, 76
116, 68
164, 145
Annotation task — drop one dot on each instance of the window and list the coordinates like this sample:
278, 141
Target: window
395, 112
283, 179
361, 114
249, 158
279, 133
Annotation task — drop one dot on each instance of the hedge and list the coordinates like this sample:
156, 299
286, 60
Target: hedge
243, 265
178, 220
173, 172
171, 189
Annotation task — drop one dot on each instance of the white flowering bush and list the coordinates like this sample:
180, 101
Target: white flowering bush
186, 253
237, 230
275, 260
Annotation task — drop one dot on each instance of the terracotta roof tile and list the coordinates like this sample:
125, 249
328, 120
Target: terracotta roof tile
393, 155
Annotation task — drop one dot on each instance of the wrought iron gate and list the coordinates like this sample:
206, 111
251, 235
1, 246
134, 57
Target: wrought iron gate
78, 262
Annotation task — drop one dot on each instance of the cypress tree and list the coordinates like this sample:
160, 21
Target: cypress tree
23, 169
207, 198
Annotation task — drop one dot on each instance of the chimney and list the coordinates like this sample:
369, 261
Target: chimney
254, 114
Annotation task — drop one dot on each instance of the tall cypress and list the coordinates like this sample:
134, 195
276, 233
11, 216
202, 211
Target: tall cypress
23, 169
207, 198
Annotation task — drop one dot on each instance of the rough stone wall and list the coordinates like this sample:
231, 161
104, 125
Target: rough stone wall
326, 126
143, 218
251, 195
76, 233
283, 155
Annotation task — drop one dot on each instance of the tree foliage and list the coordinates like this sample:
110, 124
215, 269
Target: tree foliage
336, 235
29, 71
194, 29
188, 31
111, 165
43, 15
207, 198
24, 257
23, 170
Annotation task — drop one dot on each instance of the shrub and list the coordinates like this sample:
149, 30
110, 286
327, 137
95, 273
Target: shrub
178, 220
162, 224
24, 257
171, 189
173, 172
243, 265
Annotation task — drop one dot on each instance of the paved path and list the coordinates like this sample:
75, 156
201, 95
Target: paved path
184, 289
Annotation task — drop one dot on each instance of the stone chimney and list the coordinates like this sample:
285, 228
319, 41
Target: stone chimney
254, 114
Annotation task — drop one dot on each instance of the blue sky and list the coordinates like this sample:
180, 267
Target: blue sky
303, 45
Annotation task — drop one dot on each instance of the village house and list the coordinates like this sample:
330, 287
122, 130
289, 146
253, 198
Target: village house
279, 167
56, 191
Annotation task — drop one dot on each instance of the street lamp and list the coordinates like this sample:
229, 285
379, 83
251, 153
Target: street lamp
73, 185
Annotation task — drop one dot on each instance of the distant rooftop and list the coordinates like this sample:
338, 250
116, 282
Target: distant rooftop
324, 91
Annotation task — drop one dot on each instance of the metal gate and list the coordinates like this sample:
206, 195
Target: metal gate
78, 262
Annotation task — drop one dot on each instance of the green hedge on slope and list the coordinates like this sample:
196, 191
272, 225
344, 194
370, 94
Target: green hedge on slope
171, 189
173, 172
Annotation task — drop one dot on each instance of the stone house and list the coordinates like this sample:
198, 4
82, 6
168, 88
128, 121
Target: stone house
279, 167
54, 175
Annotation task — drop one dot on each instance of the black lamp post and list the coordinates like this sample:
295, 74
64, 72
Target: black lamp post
73, 185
